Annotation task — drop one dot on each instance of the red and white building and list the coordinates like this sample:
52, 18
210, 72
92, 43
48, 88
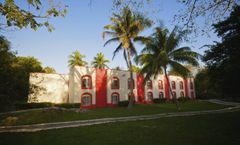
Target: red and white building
104, 87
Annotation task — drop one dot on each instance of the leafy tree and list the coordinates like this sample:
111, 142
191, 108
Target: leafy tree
135, 69
76, 59
49, 70
19, 16
125, 29
99, 61
161, 51
223, 61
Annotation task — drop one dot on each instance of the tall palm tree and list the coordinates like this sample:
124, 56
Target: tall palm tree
161, 51
99, 61
76, 59
125, 29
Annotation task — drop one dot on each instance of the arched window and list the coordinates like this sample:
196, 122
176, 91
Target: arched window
86, 82
174, 94
161, 95
115, 83
115, 98
181, 85
181, 94
86, 100
129, 95
191, 85
149, 84
173, 85
160, 84
129, 83
150, 96
192, 95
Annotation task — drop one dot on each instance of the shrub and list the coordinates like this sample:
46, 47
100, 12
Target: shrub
159, 100
9, 121
183, 99
68, 105
32, 105
123, 103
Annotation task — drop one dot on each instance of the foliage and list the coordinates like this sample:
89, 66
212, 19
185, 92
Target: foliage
125, 29
49, 70
223, 61
123, 103
21, 106
9, 121
135, 69
76, 59
99, 61
33, 15
183, 99
159, 100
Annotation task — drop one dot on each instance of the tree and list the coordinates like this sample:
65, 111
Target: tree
99, 61
135, 69
76, 59
125, 29
222, 59
161, 51
19, 16
49, 70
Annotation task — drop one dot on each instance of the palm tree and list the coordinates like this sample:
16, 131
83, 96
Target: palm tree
125, 29
76, 59
161, 51
99, 61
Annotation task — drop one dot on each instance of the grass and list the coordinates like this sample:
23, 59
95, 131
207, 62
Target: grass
214, 129
43, 116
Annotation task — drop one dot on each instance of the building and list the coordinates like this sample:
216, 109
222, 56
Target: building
104, 87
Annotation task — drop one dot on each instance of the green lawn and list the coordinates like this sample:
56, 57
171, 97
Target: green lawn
42, 116
214, 129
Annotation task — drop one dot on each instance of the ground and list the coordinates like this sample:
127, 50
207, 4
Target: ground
217, 129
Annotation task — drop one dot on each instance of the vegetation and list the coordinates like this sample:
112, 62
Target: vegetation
56, 115
214, 129
49, 70
125, 29
99, 61
161, 51
76, 59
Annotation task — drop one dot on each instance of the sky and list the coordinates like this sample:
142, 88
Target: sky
81, 29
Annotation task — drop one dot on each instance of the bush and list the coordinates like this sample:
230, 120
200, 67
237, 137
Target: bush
183, 99
159, 100
44, 105
123, 103
9, 121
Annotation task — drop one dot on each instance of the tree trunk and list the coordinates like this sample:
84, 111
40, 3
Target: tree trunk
170, 89
131, 100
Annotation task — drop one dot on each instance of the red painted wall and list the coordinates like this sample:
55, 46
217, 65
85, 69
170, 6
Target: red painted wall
140, 88
101, 87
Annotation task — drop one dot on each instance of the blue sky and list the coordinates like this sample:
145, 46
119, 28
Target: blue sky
81, 30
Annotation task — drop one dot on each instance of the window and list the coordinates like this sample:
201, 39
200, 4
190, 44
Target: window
181, 85
115, 98
174, 94
129, 83
86, 100
150, 96
161, 96
115, 83
149, 84
192, 95
181, 94
160, 84
173, 85
86, 82
191, 85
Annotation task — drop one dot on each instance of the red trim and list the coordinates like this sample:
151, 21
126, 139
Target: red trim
181, 94
90, 78
191, 85
132, 95
166, 89
111, 104
149, 101
149, 87
140, 88
112, 83
174, 94
90, 106
186, 87
161, 93
101, 87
